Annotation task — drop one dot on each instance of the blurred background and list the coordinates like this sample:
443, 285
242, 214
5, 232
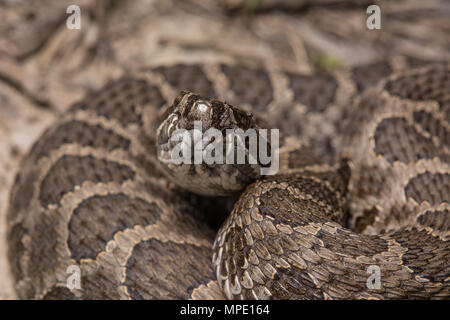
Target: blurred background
45, 66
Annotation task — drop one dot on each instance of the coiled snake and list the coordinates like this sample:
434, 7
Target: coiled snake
92, 193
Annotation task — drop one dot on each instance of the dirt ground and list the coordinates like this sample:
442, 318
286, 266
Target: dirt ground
44, 66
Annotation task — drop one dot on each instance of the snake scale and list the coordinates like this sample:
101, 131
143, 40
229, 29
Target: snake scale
92, 193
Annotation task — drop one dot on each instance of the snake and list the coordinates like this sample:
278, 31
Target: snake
363, 183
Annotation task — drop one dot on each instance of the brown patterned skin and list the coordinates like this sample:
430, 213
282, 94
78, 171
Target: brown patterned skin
91, 193
285, 238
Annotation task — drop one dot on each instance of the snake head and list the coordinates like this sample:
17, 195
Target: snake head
194, 125
189, 108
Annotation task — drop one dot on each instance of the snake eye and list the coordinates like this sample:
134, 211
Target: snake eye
200, 111
201, 107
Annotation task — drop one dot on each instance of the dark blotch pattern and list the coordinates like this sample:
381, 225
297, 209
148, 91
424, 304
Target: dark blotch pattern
71, 171
290, 210
187, 77
432, 85
96, 220
434, 188
167, 270
316, 92
44, 244
369, 184
368, 75
303, 157
59, 293
438, 220
251, 86
101, 285
427, 256
433, 126
366, 219
118, 100
349, 243
22, 192
80, 133
312, 209
396, 140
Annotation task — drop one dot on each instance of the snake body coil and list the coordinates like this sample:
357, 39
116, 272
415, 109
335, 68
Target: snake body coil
92, 193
